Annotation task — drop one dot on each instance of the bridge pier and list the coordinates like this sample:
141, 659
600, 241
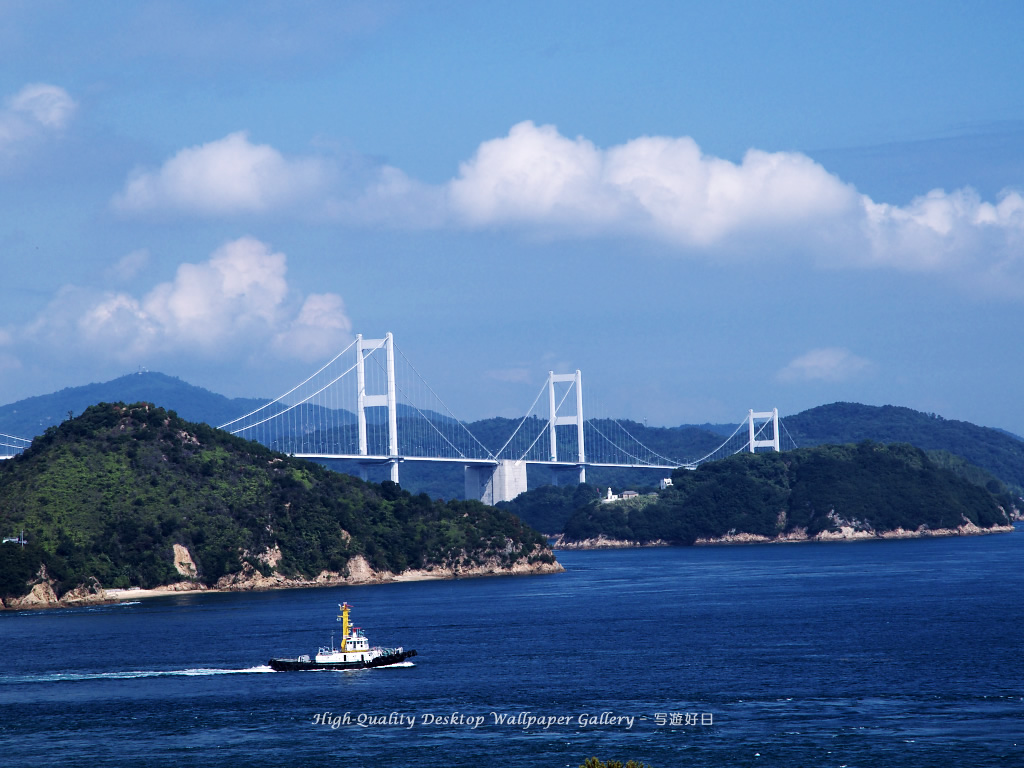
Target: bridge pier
364, 469
557, 471
491, 484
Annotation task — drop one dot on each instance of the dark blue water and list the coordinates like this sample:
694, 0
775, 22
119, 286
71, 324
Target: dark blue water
899, 653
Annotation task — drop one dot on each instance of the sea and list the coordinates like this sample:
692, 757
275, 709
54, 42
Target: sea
879, 653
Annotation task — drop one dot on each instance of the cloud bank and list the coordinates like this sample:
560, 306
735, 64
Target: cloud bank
234, 305
770, 205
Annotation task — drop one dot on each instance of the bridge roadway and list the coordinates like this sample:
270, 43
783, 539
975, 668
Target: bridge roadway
490, 480
491, 462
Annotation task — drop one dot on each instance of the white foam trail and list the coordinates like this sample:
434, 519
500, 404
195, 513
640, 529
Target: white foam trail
60, 677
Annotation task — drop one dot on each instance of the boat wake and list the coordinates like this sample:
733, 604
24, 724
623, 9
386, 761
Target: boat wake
62, 677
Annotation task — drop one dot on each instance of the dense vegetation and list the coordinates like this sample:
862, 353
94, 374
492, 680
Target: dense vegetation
549, 507
869, 486
109, 493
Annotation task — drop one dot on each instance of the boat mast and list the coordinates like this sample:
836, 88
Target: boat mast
343, 618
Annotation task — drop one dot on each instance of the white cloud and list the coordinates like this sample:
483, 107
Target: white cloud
235, 304
228, 176
947, 231
315, 332
771, 205
653, 185
36, 110
832, 364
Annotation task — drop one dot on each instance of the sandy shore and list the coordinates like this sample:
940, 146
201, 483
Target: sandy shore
137, 593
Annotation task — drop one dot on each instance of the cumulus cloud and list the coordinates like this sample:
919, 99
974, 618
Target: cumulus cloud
831, 364
940, 230
37, 110
317, 329
235, 303
651, 185
770, 205
228, 176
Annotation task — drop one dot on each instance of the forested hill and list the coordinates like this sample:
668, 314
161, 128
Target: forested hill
108, 496
992, 449
837, 490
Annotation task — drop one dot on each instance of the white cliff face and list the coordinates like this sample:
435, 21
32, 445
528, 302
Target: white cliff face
42, 594
183, 563
357, 571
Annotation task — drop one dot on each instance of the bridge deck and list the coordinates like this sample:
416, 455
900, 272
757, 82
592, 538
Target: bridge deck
461, 460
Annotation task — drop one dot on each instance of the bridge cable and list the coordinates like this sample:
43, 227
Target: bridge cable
787, 434
652, 452
527, 416
267, 405
701, 460
593, 426
427, 419
443, 404
294, 405
550, 424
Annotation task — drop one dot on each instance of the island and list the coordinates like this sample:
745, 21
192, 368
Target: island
832, 492
127, 500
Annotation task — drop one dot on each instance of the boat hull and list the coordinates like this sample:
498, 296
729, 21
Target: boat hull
295, 665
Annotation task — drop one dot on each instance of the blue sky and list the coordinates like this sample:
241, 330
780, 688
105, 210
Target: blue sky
705, 207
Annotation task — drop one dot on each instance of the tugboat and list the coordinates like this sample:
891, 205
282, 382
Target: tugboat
355, 652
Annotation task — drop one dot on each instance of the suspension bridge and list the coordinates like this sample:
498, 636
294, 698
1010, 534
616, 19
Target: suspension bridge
369, 405
11, 446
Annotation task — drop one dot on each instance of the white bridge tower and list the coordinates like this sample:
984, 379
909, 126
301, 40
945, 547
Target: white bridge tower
763, 417
554, 420
365, 348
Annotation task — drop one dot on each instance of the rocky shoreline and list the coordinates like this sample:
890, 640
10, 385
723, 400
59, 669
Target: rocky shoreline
359, 572
799, 535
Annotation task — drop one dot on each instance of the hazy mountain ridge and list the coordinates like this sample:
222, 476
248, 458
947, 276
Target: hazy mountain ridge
33, 415
999, 452
995, 450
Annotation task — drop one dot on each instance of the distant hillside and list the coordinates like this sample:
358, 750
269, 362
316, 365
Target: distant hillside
847, 491
991, 449
30, 417
135, 496
997, 451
